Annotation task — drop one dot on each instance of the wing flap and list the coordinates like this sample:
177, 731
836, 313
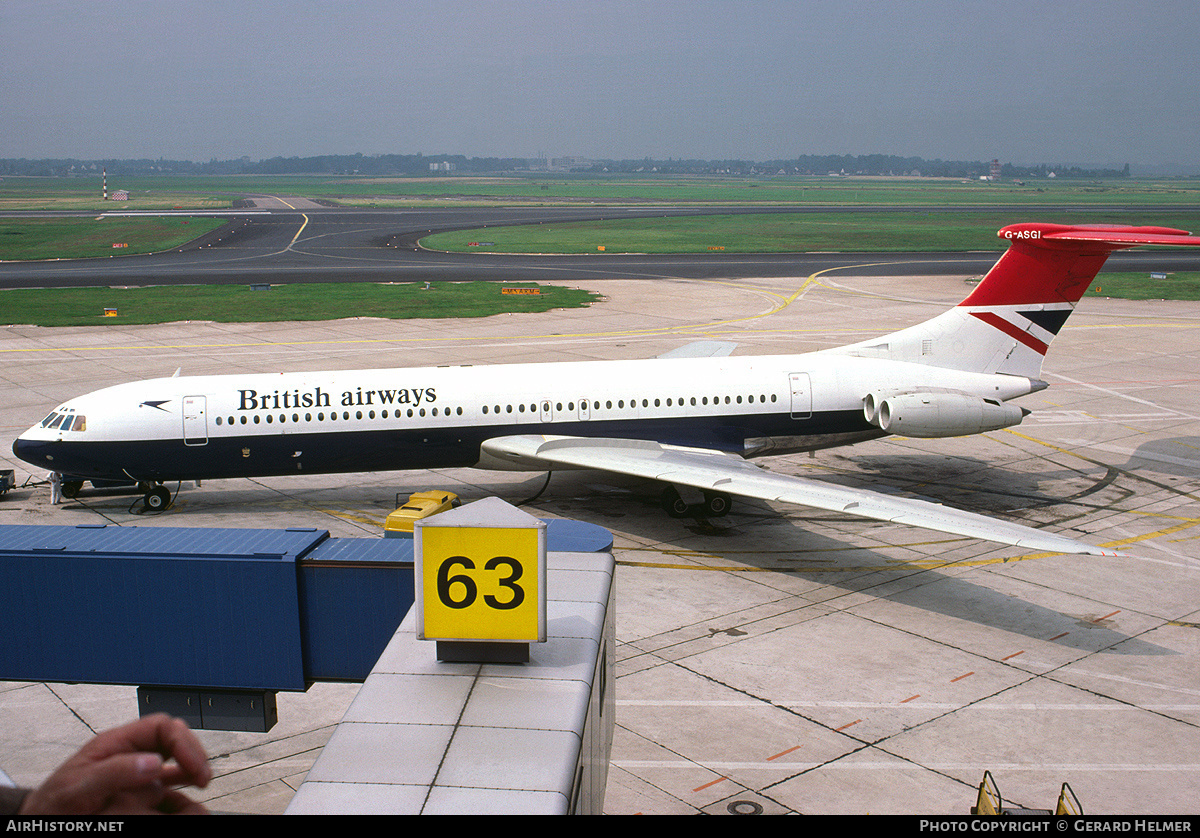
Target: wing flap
702, 349
717, 471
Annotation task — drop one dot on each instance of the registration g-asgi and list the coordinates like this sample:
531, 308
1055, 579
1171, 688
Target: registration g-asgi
480, 574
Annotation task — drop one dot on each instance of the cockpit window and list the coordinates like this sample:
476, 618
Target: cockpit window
67, 421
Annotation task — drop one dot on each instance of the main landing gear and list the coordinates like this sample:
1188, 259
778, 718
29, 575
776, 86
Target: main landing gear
714, 504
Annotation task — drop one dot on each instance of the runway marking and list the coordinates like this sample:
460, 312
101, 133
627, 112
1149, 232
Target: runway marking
706, 785
893, 765
785, 753
939, 706
1120, 395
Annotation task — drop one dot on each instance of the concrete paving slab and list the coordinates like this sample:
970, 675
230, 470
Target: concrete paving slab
898, 664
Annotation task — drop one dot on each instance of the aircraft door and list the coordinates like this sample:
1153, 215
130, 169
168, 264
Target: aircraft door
547, 410
195, 420
585, 410
801, 389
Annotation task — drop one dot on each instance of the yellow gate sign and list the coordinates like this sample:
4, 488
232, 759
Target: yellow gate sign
480, 574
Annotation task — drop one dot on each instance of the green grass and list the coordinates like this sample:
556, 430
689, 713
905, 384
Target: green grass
1140, 286
531, 189
240, 304
779, 233
80, 238
79, 193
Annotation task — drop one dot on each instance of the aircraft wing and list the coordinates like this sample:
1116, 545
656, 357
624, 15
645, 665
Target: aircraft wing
720, 472
702, 349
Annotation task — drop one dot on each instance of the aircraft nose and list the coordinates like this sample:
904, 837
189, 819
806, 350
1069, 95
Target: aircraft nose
33, 451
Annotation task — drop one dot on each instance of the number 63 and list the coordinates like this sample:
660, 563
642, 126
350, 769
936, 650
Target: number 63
470, 589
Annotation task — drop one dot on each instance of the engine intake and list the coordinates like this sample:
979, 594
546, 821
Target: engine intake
932, 415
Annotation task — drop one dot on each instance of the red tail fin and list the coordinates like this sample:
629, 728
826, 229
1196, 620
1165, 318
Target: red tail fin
1007, 323
1055, 263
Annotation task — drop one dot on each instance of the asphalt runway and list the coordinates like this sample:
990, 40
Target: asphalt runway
778, 659
278, 243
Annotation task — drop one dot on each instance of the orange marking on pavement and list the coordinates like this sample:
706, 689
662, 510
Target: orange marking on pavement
713, 783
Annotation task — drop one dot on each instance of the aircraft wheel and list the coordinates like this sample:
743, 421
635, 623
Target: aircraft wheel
71, 488
673, 504
158, 498
716, 504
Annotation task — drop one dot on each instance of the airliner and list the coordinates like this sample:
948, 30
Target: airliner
693, 419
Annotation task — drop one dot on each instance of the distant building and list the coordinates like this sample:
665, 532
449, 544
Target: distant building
444, 166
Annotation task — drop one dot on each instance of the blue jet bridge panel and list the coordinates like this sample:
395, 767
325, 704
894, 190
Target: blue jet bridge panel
232, 609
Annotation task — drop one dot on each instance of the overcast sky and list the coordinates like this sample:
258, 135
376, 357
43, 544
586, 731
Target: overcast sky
1093, 82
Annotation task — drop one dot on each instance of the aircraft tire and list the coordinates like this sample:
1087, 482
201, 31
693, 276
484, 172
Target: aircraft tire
157, 498
716, 504
673, 504
71, 488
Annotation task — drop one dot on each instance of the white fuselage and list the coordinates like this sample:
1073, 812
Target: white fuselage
373, 420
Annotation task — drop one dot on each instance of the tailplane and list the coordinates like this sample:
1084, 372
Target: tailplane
1008, 321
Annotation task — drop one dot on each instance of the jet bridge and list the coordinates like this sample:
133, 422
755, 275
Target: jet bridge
208, 623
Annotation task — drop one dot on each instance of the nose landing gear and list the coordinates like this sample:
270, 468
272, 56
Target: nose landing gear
157, 497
